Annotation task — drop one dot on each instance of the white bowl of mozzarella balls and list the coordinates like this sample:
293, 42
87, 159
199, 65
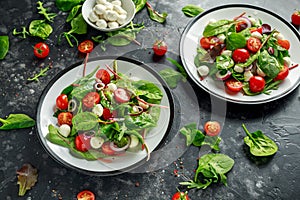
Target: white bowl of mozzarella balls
108, 15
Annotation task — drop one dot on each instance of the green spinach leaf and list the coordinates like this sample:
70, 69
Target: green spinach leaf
16, 121
191, 10
171, 77
67, 5
139, 4
268, 64
155, 15
73, 13
56, 138
4, 46
235, 41
40, 28
217, 27
85, 121
259, 144
179, 67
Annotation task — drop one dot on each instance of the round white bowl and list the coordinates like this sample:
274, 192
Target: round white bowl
127, 5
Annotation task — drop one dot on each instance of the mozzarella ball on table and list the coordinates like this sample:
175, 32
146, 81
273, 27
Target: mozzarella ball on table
101, 23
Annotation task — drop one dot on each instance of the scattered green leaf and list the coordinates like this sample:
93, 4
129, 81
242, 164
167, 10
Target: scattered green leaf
27, 177
43, 11
179, 67
191, 10
4, 46
16, 121
155, 15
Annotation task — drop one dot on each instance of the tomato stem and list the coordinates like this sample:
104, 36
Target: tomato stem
85, 62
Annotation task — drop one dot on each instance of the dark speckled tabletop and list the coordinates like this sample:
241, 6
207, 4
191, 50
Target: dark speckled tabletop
275, 178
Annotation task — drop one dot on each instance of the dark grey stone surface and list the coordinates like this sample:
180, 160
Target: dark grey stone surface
276, 178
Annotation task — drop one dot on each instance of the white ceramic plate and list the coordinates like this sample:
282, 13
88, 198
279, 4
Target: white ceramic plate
131, 68
193, 32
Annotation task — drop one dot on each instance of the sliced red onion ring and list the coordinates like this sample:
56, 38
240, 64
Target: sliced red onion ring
139, 110
246, 20
266, 29
221, 77
249, 68
99, 86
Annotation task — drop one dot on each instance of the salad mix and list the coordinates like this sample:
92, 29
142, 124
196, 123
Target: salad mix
105, 113
245, 53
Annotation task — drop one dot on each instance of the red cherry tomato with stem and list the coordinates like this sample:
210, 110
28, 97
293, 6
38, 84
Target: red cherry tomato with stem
234, 85
282, 74
212, 128
103, 75
90, 99
41, 50
82, 142
121, 95
86, 46
180, 196
296, 18
240, 55
62, 102
64, 118
253, 44
257, 83
85, 195
160, 48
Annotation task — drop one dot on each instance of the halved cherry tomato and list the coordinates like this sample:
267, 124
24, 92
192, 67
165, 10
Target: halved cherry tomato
103, 75
64, 118
241, 25
160, 48
82, 142
106, 114
85, 195
258, 29
234, 85
180, 196
121, 95
296, 17
257, 83
253, 44
86, 46
41, 50
240, 55
62, 102
106, 149
90, 99
284, 44
209, 42
282, 74
212, 128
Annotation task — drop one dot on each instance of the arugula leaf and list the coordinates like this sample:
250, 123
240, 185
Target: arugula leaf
4, 46
43, 11
171, 77
16, 121
191, 10
27, 177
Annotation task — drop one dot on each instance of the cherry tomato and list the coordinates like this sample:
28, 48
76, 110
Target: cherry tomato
253, 44
106, 114
209, 42
121, 95
85, 195
90, 99
212, 128
103, 75
106, 149
240, 55
82, 142
296, 18
234, 85
258, 29
160, 48
180, 196
284, 44
62, 102
64, 118
257, 83
41, 50
86, 46
282, 74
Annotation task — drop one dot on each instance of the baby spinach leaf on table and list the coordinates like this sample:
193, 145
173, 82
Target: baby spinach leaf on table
179, 67
4, 46
16, 121
27, 177
56, 138
139, 4
171, 77
155, 15
217, 27
259, 144
268, 64
40, 28
67, 5
73, 13
191, 10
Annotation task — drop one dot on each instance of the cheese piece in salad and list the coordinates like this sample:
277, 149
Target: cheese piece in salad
248, 55
105, 114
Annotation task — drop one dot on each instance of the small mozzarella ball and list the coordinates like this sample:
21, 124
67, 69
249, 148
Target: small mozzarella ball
121, 19
260, 72
93, 17
287, 61
221, 37
256, 34
238, 69
112, 24
64, 130
247, 75
100, 9
227, 52
96, 142
98, 110
117, 2
120, 10
111, 87
252, 20
203, 70
101, 23
212, 21
111, 16
109, 6
101, 2
279, 36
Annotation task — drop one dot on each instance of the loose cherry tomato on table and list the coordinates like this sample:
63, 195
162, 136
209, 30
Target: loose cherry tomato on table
85, 195
212, 128
240, 55
86, 46
282, 74
64, 118
296, 18
82, 142
160, 48
41, 50
62, 102
103, 75
90, 99
284, 44
121, 95
180, 196
253, 44
257, 83
234, 85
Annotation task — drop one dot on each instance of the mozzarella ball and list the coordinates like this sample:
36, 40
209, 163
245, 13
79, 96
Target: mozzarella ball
101, 2
227, 52
247, 75
256, 34
117, 2
101, 23
111, 16
238, 68
112, 24
93, 17
98, 110
64, 130
111, 87
120, 10
203, 70
121, 19
100, 9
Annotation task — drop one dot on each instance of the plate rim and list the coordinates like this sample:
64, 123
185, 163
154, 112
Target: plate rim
77, 64
236, 5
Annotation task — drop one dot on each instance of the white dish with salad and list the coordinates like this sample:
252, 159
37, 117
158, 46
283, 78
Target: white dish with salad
242, 54
105, 117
